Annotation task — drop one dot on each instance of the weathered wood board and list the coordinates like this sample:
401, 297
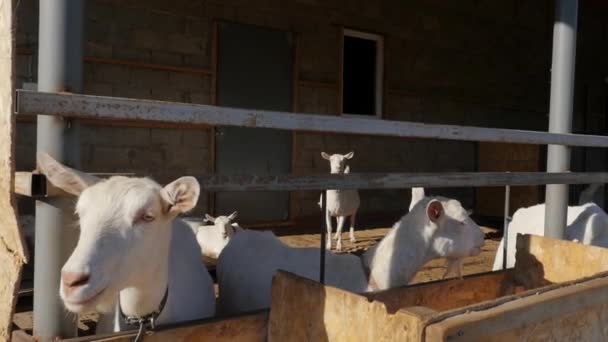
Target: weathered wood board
448, 294
304, 310
12, 247
247, 328
540, 261
578, 312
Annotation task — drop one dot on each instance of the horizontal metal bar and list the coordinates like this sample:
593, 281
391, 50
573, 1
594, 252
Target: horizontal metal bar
99, 107
395, 180
363, 181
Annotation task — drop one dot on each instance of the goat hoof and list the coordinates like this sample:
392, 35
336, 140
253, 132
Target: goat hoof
339, 247
352, 239
328, 246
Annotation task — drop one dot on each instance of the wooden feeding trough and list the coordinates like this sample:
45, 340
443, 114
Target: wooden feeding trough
557, 291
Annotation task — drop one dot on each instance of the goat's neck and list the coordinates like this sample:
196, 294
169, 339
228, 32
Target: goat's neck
403, 251
148, 290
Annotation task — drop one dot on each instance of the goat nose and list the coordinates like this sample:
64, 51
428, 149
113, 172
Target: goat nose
73, 279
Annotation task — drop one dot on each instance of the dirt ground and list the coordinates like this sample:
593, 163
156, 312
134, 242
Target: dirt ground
365, 239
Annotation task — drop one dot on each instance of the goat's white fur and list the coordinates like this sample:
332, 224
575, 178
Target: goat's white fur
132, 247
246, 266
586, 224
213, 238
341, 204
454, 265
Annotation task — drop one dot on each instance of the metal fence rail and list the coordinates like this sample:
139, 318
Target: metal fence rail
363, 181
113, 108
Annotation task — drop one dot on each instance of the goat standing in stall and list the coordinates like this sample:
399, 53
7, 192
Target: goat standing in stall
340, 203
135, 262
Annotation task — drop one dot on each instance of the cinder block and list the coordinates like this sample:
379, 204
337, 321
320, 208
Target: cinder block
167, 58
187, 44
146, 39
148, 77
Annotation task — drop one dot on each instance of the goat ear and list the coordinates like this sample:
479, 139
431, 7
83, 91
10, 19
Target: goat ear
469, 212
347, 169
434, 210
325, 155
181, 194
209, 218
417, 196
67, 179
349, 155
232, 216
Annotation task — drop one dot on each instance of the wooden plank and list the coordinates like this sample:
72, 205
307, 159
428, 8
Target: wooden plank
304, 310
448, 294
22, 336
32, 184
13, 253
247, 328
100, 107
571, 313
540, 261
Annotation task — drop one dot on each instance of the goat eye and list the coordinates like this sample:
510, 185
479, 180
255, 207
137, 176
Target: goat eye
147, 218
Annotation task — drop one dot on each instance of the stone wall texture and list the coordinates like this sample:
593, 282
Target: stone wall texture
471, 62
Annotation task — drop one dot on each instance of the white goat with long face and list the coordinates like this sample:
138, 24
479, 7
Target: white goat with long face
436, 227
340, 203
454, 265
586, 224
132, 255
213, 239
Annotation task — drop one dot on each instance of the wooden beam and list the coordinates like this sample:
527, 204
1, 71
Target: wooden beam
247, 327
13, 251
100, 107
36, 185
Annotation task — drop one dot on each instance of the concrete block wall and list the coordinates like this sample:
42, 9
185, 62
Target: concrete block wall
483, 63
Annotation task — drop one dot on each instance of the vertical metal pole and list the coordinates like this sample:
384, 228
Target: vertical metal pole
561, 105
323, 237
60, 63
505, 229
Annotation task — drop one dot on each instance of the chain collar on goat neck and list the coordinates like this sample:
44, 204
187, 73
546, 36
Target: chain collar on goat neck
147, 323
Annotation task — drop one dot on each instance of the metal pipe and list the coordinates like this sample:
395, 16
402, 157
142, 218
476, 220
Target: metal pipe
60, 59
323, 237
114, 108
505, 229
560, 111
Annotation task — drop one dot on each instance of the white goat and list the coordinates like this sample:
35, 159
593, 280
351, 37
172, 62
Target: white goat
587, 224
340, 203
436, 227
133, 257
213, 239
454, 265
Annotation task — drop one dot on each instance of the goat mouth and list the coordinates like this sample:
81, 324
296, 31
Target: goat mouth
88, 300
